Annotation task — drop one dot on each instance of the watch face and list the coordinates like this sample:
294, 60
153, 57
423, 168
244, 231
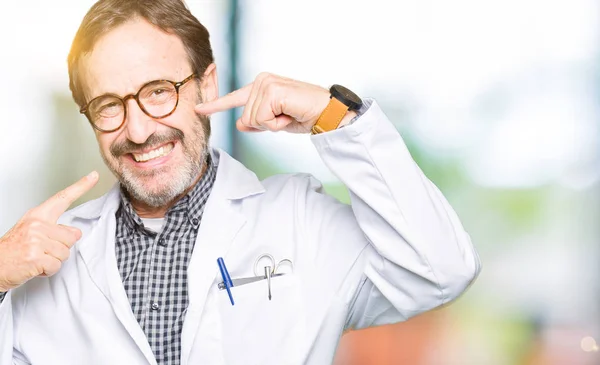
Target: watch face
346, 96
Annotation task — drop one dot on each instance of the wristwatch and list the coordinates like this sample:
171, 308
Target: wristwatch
340, 102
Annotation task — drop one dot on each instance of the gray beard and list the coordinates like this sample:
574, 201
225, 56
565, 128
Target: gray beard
168, 190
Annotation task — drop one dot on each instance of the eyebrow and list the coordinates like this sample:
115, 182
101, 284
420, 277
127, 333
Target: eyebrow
132, 93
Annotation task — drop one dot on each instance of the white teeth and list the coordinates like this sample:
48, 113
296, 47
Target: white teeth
159, 152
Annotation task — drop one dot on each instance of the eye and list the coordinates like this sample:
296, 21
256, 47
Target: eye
109, 105
109, 108
156, 92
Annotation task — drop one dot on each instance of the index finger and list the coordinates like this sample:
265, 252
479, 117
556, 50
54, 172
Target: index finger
234, 99
61, 201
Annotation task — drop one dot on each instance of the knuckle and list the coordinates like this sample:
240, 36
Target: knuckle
30, 213
32, 229
272, 89
245, 119
34, 224
31, 254
263, 75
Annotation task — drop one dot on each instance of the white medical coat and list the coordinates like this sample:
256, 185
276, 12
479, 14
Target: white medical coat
397, 251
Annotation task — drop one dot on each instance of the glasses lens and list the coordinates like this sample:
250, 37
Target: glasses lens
106, 112
159, 98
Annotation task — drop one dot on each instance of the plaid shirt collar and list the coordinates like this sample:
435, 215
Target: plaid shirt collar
191, 203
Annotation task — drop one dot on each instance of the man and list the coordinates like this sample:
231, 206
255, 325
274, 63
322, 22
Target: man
133, 278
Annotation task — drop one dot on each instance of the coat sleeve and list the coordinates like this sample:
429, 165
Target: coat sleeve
416, 255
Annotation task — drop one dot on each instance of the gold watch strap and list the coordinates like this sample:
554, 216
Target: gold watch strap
331, 117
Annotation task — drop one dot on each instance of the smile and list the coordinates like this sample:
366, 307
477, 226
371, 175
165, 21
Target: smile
156, 153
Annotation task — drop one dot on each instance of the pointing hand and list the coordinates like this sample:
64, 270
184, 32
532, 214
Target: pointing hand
36, 245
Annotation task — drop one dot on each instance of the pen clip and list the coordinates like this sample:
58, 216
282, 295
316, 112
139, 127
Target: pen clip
226, 278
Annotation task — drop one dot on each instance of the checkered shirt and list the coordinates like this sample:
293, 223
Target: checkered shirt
153, 267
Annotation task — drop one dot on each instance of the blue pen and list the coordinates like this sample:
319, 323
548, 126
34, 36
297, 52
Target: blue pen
226, 279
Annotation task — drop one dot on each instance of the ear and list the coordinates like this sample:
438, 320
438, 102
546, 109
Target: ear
209, 86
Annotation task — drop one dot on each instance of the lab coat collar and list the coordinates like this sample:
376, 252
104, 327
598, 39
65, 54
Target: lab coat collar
234, 181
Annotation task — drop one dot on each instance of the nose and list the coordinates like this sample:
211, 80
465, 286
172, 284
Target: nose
138, 126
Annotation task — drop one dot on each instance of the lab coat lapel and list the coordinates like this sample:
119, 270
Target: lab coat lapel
221, 221
97, 250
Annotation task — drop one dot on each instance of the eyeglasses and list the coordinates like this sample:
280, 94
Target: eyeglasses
157, 99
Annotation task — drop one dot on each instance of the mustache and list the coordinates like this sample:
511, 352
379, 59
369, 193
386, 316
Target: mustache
154, 140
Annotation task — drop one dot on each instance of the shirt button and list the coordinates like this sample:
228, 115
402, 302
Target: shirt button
154, 306
195, 221
162, 242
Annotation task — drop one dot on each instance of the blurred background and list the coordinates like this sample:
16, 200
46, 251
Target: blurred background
498, 101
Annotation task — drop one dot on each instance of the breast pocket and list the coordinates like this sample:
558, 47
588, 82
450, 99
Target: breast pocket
257, 330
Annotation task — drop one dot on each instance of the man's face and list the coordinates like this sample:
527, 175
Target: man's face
156, 160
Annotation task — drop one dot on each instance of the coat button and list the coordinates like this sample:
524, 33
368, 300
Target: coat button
154, 306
